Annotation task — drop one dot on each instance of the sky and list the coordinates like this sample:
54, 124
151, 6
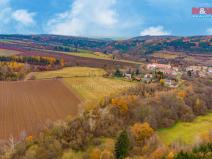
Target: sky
104, 18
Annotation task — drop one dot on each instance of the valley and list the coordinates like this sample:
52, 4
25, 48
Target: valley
80, 99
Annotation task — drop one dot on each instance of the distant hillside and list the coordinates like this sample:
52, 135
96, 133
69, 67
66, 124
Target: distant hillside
142, 45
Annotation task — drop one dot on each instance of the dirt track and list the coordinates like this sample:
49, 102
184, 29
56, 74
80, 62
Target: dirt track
26, 106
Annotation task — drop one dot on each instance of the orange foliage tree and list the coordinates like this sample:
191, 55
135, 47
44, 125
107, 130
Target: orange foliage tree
123, 102
141, 132
181, 94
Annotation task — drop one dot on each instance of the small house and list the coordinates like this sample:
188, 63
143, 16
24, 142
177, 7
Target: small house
128, 76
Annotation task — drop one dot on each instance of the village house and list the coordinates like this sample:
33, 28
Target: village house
148, 78
137, 78
209, 72
158, 66
201, 71
166, 69
128, 76
171, 83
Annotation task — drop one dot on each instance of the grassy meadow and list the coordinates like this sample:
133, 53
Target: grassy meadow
187, 132
70, 72
89, 83
94, 89
97, 55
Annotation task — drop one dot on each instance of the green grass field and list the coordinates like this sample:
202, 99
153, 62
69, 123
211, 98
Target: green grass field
186, 132
5, 52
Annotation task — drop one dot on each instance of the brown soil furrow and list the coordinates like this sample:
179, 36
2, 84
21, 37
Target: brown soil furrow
27, 105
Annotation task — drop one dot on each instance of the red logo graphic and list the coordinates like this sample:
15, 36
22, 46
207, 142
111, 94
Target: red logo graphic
202, 11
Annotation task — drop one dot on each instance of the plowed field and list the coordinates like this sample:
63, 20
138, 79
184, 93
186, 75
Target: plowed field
25, 107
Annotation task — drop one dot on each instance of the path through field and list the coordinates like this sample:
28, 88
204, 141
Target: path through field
26, 106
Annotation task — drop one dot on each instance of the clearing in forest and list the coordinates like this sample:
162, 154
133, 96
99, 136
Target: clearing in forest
187, 132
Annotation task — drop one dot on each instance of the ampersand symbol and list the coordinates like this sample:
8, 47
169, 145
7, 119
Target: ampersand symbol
202, 11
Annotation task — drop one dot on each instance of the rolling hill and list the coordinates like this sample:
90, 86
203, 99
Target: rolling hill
142, 45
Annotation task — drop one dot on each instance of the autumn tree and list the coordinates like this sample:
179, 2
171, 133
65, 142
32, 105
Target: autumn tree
141, 132
122, 145
162, 82
181, 94
123, 102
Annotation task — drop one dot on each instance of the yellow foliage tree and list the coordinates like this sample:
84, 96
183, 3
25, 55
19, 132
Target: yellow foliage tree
141, 132
29, 138
62, 62
162, 82
170, 156
123, 102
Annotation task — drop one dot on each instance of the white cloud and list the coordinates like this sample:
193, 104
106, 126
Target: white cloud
209, 31
13, 21
157, 31
4, 2
82, 16
24, 17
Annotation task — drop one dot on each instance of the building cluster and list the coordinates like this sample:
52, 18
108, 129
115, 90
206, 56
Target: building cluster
199, 71
171, 75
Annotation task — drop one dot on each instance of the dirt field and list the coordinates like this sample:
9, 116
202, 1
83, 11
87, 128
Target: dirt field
71, 60
5, 52
25, 107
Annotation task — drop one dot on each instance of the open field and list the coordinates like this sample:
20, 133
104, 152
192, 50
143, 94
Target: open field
68, 72
26, 106
186, 132
94, 89
89, 83
167, 55
5, 52
89, 54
